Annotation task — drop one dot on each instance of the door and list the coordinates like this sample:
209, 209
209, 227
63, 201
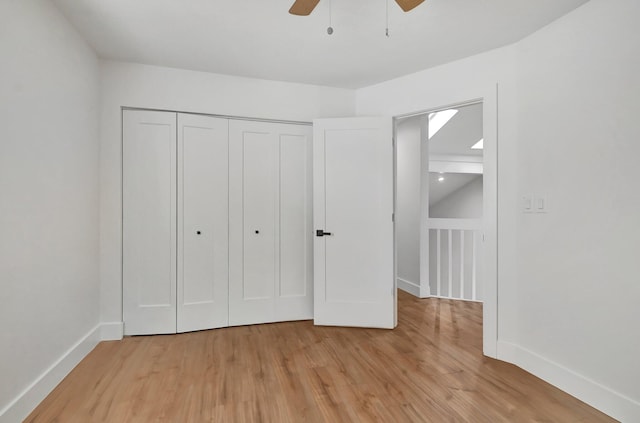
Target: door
270, 222
149, 222
294, 294
353, 211
203, 222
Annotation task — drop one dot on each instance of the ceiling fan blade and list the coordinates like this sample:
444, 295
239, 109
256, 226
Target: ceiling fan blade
303, 7
407, 5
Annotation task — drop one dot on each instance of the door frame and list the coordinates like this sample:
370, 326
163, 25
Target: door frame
490, 212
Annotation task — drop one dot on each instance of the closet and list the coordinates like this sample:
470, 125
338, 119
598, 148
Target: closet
217, 224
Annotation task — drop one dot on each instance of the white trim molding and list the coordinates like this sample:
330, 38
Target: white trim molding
23, 404
18, 409
610, 402
456, 164
410, 287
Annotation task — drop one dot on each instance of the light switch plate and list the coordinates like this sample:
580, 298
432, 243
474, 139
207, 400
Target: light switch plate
540, 204
527, 203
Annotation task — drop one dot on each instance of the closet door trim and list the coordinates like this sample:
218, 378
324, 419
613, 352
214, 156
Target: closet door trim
230, 117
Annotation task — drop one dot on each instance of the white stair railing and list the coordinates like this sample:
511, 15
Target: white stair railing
455, 252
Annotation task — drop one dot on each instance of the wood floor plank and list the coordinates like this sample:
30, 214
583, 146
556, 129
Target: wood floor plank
429, 369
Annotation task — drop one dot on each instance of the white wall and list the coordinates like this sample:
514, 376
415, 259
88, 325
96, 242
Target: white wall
48, 201
154, 87
463, 203
568, 129
408, 202
578, 143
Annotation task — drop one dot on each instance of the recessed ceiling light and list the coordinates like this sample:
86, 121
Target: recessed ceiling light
479, 145
439, 119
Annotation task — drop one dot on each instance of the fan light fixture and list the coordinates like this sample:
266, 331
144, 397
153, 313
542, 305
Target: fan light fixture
305, 7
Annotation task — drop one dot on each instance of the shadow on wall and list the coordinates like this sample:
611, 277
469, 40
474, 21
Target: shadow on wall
455, 195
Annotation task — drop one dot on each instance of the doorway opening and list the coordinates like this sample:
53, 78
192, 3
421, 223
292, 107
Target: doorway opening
446, 205
454, 213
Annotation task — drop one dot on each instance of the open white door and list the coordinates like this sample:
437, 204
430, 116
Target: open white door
353, 208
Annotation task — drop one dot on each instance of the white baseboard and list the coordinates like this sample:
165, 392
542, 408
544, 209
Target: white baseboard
409, 287
18, 409
612, 403
111, 331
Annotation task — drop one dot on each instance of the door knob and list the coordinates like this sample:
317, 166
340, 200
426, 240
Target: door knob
321, 232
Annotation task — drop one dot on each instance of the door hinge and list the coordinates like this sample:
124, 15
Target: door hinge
393, 217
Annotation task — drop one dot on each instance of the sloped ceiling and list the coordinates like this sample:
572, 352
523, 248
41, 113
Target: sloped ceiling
260, 39
460, 133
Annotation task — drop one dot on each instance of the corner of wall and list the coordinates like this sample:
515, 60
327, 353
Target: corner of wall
37, 391
18, 409
409, 287
111, 331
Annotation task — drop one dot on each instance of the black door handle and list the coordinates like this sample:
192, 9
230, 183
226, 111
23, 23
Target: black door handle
321, 232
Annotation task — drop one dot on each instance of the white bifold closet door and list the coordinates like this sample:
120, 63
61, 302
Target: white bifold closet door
149, 222
203, 222
175, 222
271, 272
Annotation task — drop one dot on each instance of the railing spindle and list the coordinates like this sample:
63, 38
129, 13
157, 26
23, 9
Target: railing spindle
450, 242
473, 268
450, 228
439, 260
462, 264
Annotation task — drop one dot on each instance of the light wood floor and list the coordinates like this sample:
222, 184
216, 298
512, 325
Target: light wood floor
429, 369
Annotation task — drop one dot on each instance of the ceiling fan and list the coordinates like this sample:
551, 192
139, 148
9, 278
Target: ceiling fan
305, 7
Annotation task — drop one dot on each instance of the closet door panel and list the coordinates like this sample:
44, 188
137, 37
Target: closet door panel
149, 222
294, 297
253, 231
203, 222
270, 223
259, 216
292, 206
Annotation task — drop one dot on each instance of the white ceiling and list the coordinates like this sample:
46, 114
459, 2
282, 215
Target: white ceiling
260, 39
